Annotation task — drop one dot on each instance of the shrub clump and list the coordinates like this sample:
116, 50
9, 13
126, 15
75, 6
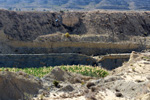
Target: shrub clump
56, 83
67, 35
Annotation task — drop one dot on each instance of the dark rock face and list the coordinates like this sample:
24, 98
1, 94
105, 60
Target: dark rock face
27, 26
31, 25
59, 74
28, 32
110, 64
1, 25
40, 60
67, 88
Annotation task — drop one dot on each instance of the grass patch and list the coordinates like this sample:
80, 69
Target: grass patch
146, 58
42, 71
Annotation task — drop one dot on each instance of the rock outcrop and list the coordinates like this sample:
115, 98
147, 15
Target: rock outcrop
40, 60
15, 86
90, 33
128, 82
29, 25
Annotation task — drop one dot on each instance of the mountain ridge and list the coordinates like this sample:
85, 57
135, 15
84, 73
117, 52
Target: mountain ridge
75, 4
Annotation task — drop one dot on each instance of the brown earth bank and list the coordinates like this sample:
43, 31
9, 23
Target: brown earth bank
91, 33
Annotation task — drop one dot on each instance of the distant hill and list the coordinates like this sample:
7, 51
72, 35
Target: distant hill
75, 4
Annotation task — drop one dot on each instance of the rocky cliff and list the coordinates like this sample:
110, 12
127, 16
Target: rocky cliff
29, 25
40, 60
94, 32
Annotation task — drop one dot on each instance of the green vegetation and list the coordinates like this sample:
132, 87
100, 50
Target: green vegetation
82, 83
131, 64
56, 83
40, 72
67, 35
146, 58
145, 33
86, 70
27, 96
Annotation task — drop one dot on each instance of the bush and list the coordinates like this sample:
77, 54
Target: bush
56, 83
67, 35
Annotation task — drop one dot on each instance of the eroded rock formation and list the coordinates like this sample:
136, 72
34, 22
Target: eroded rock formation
91, 33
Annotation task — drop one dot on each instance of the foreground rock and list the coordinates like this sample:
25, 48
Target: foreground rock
129, 82
17, 86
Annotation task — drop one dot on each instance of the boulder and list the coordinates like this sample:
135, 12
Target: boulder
15, 87
58, 74
67, 88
